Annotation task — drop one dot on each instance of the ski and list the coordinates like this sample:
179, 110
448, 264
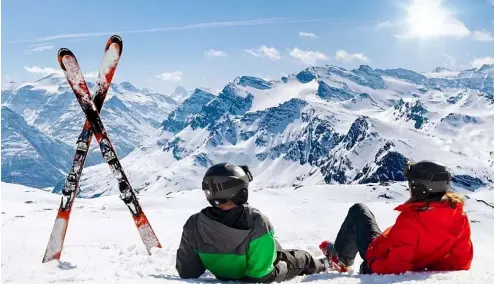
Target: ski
111, 57
71, 69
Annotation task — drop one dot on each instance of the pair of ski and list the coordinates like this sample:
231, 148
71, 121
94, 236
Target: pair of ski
94, 126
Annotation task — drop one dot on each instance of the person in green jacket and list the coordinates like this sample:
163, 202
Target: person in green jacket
235, 241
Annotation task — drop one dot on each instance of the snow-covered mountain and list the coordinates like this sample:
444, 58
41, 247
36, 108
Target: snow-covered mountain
180, 94
30, 157
322, 125
129, 114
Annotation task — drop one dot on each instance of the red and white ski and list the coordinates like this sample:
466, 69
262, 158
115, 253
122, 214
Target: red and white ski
71, 68
113, 50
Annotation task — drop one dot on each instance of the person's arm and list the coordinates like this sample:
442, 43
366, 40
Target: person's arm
400, 244
261, 255
188, 264
461, 254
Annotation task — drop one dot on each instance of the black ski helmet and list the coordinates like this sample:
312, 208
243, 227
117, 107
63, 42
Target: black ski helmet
426, 178
223, 182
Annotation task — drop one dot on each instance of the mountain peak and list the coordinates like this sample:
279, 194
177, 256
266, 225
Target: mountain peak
181, 117
440, 70
254, 82
365, 68
358, 131
307, 75
200, 92
179, 90
180, 94
127, 86
332, 93
488, 68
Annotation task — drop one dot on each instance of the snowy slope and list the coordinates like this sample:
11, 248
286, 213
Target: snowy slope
29, 156
322, 125
103, 246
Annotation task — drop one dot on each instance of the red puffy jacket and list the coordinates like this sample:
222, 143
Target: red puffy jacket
435, 239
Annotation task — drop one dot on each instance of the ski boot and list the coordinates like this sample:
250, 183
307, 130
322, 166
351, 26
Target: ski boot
327, 248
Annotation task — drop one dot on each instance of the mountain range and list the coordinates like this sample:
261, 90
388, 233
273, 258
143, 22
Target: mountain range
323, 125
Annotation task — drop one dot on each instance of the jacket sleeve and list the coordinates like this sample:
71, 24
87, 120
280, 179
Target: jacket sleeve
188, 264
396, 249
461, 254
262, 255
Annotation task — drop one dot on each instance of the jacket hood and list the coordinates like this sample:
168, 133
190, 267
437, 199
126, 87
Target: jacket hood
216, 234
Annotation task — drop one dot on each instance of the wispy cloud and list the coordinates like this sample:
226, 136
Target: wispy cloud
306, 34
491, 1
43, 71
39, 48
171, 76
215, 53
450, 62
384, 25
483, 35
342, 55
478, 62
91, 75
206, 25
307, 56
264, 51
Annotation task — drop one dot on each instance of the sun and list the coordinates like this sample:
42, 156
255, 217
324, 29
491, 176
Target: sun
425, 18
429, 18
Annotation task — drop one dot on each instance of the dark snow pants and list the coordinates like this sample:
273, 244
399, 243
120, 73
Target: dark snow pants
299, 262
356, 233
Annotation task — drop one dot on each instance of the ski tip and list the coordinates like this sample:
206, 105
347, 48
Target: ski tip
115, 39
61, 53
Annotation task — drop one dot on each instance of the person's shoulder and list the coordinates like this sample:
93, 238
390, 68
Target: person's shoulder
258, 218
253, 211
192, 220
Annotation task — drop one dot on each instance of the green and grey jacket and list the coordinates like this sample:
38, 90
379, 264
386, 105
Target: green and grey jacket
237, 244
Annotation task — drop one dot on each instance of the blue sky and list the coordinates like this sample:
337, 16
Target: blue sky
209, 43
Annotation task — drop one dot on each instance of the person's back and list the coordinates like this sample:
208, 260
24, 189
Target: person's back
231, 244
432, 231
432, 236
235, 241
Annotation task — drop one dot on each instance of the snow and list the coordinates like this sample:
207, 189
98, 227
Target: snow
76, 78
103, 245
109, 60
281, 131
443, 74
401, 86
46, 88
281, 93
176, 169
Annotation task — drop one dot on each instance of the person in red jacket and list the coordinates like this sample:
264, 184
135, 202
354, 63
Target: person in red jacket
432, 232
